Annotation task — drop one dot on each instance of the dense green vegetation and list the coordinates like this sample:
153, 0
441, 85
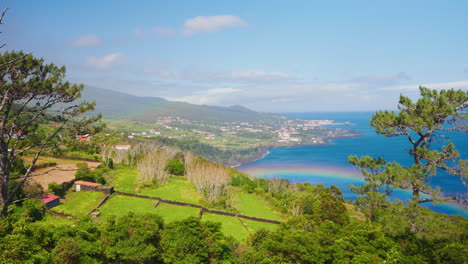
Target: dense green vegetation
140, 237
319, 228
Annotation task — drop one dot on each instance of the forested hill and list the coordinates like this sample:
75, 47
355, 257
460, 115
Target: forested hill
117, 105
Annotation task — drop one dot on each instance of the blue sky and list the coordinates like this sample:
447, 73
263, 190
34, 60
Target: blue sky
279, 56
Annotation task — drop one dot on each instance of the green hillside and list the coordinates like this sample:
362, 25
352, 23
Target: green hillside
117, 105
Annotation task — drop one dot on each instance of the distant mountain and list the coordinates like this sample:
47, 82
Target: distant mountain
117, 105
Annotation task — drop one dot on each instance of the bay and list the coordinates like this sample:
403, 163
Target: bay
328, 164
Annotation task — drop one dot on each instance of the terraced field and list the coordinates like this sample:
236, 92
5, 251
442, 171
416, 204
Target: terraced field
124, 179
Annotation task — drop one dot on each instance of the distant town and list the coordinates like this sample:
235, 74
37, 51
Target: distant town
281, 132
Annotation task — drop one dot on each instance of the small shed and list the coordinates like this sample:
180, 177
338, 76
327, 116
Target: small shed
87, 186
50, 200
122, 147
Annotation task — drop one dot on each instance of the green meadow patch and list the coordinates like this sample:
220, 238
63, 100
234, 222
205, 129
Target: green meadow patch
51, 221
253, 205
231, 226
124, 178
254, 226
79, 203
177, 189
170, 212
120, 205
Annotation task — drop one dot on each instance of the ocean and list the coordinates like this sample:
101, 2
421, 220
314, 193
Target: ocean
328, 164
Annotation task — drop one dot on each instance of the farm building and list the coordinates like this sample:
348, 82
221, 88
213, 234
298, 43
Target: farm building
87, 186
122, 147
50, 200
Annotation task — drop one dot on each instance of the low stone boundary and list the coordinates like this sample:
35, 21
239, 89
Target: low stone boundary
71, 158
242, 223
157, 203
100, 204
137, 196
200, 214
59, 214
202, 209
258, 219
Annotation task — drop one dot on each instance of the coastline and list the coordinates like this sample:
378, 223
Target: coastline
263, 153
266, 149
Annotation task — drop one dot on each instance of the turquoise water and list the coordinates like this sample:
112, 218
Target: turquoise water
328, 164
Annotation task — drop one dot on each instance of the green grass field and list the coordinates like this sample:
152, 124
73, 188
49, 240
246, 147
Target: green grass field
51, 221
124, 179
177, 189
231, 226
120, 205
252, 205
171, 212
254, 226
79, 203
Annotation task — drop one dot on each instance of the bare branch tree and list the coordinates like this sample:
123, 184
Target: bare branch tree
152, 167
36, 104
210, 179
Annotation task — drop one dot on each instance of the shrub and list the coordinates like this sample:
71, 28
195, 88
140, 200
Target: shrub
34, 209
57, 189
85, 174
67, 250
110, 163
176, 167
32, 188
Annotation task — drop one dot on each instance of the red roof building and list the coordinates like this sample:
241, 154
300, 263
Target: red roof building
87, 186
50, 200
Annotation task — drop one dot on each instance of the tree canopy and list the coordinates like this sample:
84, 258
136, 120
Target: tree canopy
425, 123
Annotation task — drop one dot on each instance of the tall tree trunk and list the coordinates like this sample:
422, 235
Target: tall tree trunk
3, 196
415, 194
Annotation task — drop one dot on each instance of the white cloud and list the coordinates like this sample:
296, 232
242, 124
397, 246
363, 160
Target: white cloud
282, 100
163, 69
444, 85
138, 33
208, 97
208, 24
164, 31
159, 68
383, 80
260, 75
105, 62
84, 41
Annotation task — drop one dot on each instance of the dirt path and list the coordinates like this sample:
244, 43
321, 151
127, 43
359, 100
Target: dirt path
60, 173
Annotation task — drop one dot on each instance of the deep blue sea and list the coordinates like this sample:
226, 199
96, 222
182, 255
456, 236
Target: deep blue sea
328, 164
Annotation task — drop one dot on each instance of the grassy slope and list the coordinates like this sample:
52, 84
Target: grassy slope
120, 205
178, 189
171, 212
254, 226
252, 205
79, 203
51, 221
230, 226
124, 179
